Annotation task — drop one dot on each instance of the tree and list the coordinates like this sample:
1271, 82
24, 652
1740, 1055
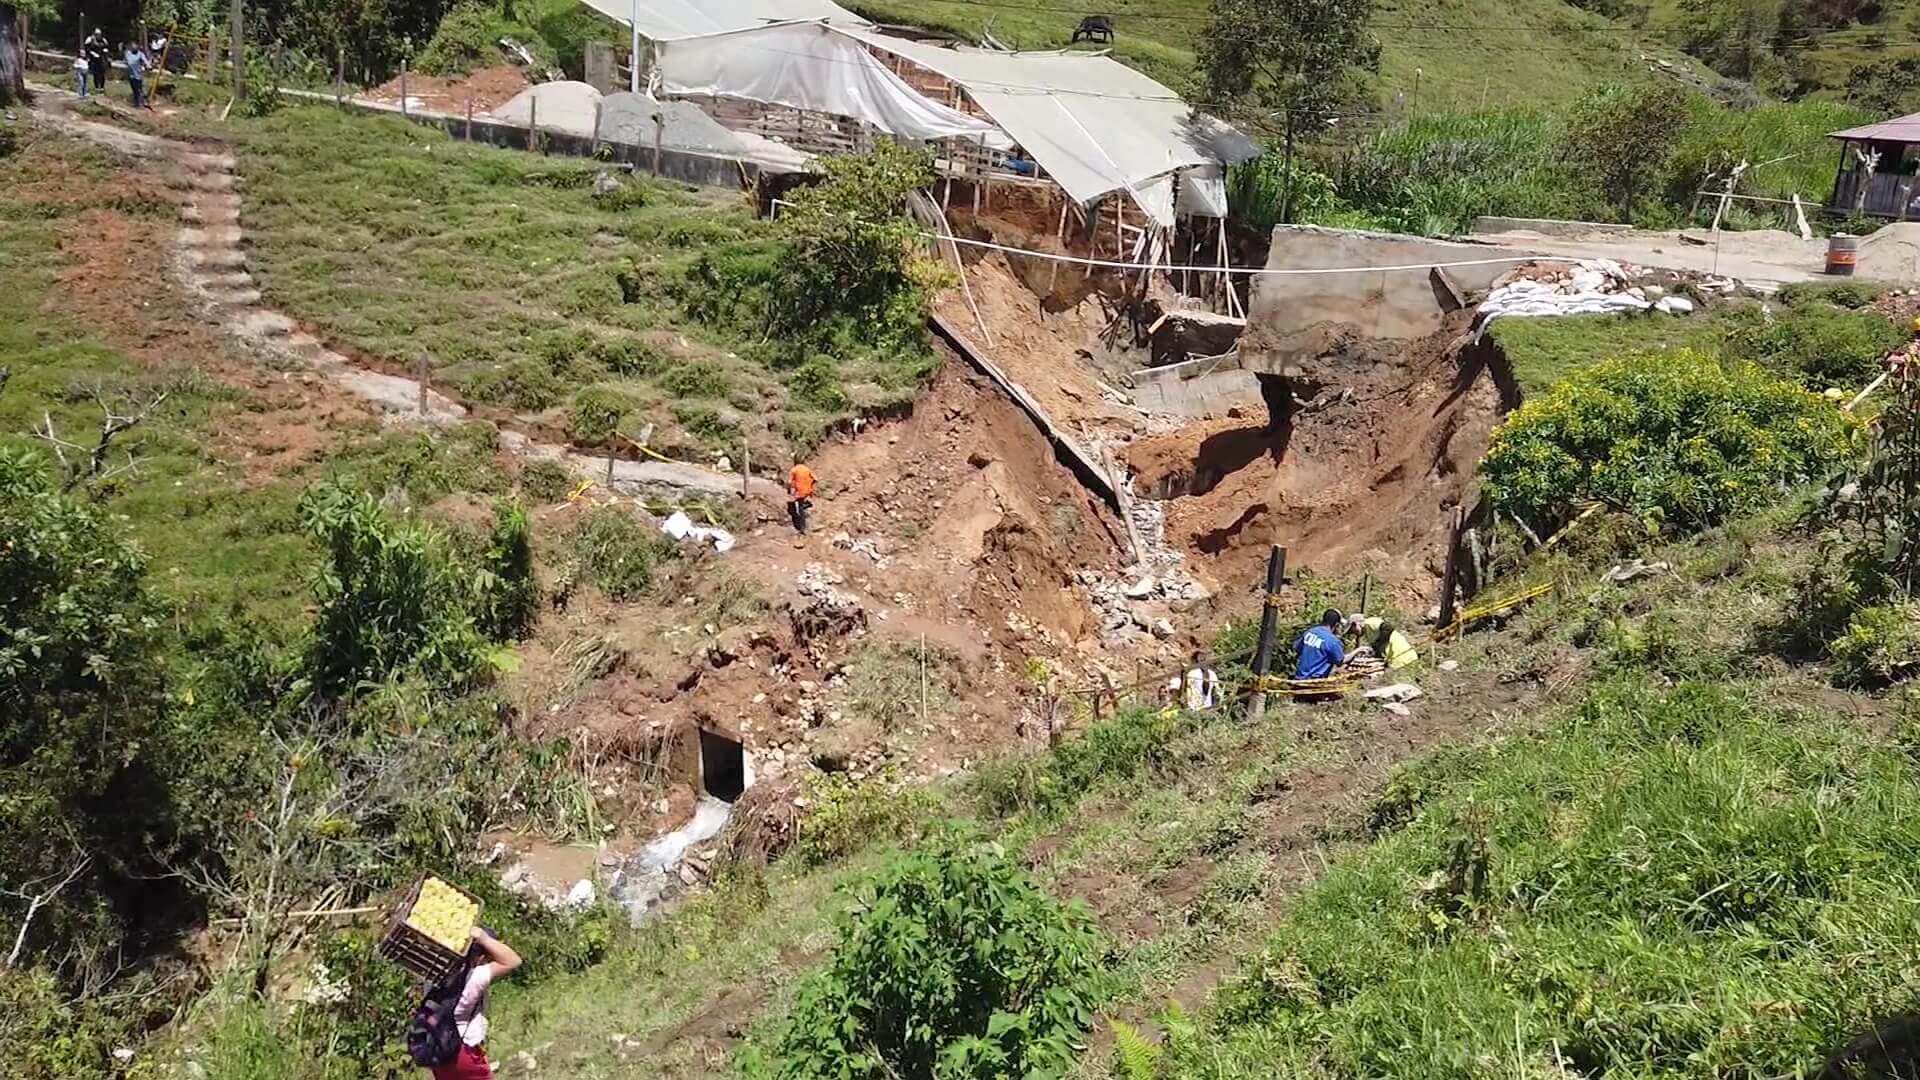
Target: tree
1732, 37
82, 698
1286, 65
1623, 135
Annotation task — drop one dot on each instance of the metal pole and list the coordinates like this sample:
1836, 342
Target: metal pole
403, 88
1269, 613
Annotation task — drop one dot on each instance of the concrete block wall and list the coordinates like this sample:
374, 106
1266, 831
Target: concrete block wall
1382, 304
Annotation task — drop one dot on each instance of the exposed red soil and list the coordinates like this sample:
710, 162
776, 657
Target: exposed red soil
1363, 476
114, 281
487, 88
954, 525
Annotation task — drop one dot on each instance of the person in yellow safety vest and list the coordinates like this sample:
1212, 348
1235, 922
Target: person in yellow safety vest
1385, 640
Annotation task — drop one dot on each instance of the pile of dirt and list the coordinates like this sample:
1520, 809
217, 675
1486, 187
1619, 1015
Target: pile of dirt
1891, 254
485, 89
1371, 450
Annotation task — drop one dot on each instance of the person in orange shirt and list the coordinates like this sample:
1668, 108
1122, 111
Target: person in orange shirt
799, 495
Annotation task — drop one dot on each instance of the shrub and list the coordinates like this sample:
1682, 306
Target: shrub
1852, 295
1673, 437
955, 963
695, 379
545, 481
391, 600
520, 384
82, 700
619, 553
1881, 644
506, 592
1822, 345
817, 383
597, 413
845, 815
467, 38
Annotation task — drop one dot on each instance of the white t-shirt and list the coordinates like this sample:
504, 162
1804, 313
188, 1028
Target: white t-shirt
470, 1012
1201, 687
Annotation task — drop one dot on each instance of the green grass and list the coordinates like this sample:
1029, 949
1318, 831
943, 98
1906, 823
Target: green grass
1533, 51
1808, 338
1679, 883
215, 540
502, 274
1543, 351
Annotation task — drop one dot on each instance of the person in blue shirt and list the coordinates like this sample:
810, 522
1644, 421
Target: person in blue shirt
136, 62
1319, 647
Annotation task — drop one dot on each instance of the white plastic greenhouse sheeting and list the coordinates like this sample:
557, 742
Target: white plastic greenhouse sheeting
1094, 124
664, 20
809, 66
628, 118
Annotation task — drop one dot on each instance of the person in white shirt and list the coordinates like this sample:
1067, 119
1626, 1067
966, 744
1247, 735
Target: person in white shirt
1201, 686
488, 959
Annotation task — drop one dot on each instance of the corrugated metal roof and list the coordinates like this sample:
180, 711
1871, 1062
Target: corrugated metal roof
1899, 129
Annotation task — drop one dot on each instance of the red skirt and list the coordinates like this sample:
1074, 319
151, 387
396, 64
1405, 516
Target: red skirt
470, 1065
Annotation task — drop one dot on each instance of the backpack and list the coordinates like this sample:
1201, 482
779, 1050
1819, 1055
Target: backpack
433, 1037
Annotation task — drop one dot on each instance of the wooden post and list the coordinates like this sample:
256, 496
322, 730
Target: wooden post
420, 375
469, 119
340, 76
609, 466
923, 677
596, 127
533, 123
659, 136
1269, 613
1452, 576
746, 465
237, 49
403, 87
1366, 593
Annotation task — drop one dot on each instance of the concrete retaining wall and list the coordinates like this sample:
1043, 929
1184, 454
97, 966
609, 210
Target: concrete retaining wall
1207, 387
1381, 304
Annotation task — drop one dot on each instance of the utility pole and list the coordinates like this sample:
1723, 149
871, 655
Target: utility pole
1263, 653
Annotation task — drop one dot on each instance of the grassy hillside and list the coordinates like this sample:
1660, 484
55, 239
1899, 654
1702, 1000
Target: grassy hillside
1455, 53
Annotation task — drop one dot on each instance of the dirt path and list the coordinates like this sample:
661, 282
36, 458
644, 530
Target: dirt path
210, 260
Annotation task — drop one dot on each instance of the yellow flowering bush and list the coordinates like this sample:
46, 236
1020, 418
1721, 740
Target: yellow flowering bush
1676, 437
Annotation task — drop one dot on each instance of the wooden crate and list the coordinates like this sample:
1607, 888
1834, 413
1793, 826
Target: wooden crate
414, 950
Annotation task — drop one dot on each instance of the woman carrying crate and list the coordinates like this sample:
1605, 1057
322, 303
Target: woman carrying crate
488, 959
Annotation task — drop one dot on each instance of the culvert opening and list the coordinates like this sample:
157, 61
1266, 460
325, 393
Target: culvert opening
723, 766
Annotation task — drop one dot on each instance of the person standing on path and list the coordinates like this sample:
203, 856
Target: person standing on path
80, 77
136, 61
97, 55
799, 495
488, 959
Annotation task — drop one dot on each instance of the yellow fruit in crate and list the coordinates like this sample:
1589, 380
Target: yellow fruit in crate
444, 914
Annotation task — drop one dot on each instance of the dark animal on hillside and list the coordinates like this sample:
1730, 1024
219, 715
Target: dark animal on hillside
1094, 28
1889, 1052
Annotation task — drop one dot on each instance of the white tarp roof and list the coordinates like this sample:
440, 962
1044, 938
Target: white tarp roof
628, 118
665, 20
1094, 124
809, 66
